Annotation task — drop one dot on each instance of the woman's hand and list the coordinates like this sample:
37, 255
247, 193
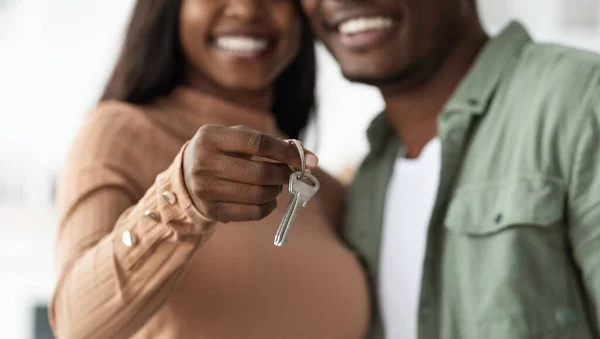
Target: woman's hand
236, 173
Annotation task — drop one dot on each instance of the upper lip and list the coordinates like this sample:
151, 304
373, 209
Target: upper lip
337, 20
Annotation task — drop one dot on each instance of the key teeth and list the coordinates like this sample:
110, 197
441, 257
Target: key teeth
300, 197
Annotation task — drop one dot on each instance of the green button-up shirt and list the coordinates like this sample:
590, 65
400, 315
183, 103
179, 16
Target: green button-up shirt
513, 245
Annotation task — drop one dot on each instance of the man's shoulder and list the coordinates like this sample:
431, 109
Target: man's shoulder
562, 52
556, 79
552, 95
558, 67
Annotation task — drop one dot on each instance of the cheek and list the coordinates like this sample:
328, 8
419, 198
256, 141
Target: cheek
291, 34
310, 9
193, 26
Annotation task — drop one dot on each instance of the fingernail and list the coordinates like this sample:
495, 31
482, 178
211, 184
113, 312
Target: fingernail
311, 161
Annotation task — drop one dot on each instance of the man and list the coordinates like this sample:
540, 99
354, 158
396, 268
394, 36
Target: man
477, 211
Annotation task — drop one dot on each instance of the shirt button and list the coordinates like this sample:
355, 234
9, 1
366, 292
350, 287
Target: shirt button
151, 215
129, 239
169, 197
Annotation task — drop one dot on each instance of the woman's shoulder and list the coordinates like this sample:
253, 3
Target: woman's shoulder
117, 138
112, 133
117, 114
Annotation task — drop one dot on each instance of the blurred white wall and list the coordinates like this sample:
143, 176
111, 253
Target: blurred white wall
54, 59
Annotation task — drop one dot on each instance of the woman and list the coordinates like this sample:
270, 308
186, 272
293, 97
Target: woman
145, 247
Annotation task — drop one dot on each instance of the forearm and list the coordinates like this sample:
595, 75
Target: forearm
106, 294
114, 278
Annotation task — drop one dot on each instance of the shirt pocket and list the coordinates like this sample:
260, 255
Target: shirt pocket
484, 210
506, 263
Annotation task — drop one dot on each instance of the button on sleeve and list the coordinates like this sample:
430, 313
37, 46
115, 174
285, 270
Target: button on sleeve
175, 203
165, 213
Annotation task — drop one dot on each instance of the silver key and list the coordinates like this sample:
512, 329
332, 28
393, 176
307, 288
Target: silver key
301, 193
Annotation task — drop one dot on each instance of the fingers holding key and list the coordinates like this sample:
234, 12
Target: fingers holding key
242, 140
247, 170
227, 212
226, 201
226, 178
233, 192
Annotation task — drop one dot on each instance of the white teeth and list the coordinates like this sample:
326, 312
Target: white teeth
241, 45
359, 25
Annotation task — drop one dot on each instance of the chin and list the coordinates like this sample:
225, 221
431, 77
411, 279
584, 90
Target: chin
364, 66
368, 80
246, 85
381, 76
376, 78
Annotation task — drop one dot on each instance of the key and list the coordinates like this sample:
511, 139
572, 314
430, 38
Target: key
301, 193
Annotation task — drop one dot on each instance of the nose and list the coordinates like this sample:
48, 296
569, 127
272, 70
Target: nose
313, 7
309, 5
247, 10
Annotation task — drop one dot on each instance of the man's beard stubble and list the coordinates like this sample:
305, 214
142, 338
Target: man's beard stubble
401, 79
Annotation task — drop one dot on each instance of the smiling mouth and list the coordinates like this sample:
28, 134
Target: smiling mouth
362, 32
365, 24
242, 45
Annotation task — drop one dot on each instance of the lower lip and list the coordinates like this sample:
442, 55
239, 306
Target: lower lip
241, 56
364, 39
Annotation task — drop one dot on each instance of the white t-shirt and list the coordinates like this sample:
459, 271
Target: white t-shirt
409, 203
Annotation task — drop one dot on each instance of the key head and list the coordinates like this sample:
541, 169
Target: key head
303, 186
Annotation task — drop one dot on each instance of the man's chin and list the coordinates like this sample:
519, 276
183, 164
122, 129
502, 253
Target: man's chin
383, 79
370, 80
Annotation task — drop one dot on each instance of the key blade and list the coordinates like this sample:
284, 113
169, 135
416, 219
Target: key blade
301, 193
285, 227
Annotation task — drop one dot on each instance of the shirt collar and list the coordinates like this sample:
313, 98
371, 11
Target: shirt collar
496, 59
475, 91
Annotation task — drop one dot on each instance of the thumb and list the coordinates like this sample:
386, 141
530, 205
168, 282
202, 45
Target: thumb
310, 158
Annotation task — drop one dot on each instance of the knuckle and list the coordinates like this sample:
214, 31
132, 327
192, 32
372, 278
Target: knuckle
203, 188
260, 143
202, 132
218, 211
263, 194
209, 211
260, 211
242, 127
259, 171
205, 134
254, 213
279, 174
205, 161
220, 189
270, 174
201, 163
